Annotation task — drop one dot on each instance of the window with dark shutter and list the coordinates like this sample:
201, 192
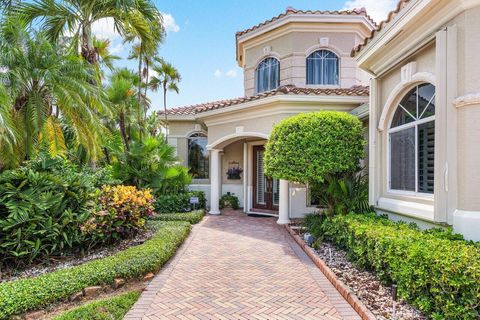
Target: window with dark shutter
412, 142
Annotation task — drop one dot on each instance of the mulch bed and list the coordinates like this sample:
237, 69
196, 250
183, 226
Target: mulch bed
56, 263
366, 285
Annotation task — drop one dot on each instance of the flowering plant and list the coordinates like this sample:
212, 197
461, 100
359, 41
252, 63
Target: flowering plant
234, 173
120, 213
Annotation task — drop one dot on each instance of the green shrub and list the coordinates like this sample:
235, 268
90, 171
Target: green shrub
439, 276
192, 217
152, 163
179, 202
41, 212
342, 193
228, 200
307, 147
106, 309
121, 213
28, 294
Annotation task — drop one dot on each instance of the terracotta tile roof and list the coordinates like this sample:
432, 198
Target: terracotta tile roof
355, 91
391, 15
290, 11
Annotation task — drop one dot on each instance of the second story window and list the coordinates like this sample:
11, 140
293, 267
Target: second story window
267, 75
322, 68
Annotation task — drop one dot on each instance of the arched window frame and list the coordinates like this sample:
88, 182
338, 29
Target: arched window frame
206, 165
320, 62
413, 124
267, 64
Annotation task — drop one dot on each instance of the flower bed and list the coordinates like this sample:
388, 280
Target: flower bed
438, 275
112, 308
28, 294
193, 217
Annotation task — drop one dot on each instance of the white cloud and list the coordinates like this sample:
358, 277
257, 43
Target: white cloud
104, 29
377, 9
218, 73
169, 23
231, 73
119, 47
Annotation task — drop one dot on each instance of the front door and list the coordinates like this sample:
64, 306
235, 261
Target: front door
265, 190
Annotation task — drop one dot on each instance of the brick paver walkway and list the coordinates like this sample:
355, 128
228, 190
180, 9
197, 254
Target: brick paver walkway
239, 267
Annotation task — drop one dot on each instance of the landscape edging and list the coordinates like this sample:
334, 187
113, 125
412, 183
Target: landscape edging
343, 289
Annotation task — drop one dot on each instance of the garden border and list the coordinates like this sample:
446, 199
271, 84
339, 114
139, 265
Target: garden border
343, 289
140, 308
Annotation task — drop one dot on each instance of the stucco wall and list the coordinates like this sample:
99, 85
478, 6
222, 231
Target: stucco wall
452, 60
468, 137
292, 49
425, 62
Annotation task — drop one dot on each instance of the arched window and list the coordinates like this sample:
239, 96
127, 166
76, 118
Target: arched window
198, 157
322, 68
267, 75
412, 141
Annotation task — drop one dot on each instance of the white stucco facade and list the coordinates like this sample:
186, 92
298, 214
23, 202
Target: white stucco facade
237, 129
435, 42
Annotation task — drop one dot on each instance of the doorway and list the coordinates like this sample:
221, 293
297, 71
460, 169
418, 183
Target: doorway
265, 190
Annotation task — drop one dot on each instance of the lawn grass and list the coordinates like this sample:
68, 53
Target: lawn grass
113, 308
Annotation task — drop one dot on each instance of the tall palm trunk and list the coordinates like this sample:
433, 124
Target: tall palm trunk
87, 50
123, 131
139, 92
147, 65
165, 109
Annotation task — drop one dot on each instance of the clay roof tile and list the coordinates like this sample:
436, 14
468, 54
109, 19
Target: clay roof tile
362, 91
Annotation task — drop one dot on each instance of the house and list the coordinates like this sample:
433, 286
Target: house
424, 121
296, 62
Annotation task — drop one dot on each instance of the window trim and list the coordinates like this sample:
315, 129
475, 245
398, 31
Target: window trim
323, 85
255, 76
406, 126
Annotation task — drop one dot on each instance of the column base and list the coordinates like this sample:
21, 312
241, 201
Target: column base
467, 223
283, 221
214, 212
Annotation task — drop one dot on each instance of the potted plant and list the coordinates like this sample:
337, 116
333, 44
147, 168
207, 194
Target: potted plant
234, 173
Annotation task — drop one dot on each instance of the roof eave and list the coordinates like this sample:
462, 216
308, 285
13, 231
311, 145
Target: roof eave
337, 99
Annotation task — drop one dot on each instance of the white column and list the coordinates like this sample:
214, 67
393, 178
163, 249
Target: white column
215, 181
283, 203
245, 177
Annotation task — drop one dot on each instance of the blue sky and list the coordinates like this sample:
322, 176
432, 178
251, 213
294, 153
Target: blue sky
200, 41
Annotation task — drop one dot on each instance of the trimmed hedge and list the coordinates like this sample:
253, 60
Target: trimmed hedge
33, 293
106, 309
192, 217
179, 202
433, 270
307, 147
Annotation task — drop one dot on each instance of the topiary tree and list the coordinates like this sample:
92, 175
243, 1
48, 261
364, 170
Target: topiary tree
308, 147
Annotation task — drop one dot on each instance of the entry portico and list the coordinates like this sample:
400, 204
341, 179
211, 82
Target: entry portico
236, 133
252, 147
296, 62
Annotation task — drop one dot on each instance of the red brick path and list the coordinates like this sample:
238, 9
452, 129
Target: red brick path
239, 267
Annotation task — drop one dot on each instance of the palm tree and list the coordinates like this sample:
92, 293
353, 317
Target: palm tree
45, 85
168, 78
104, 58
144, 51
8, 134
59, 18
121, 93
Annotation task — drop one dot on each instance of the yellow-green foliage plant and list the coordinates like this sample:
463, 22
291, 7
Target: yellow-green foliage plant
121, 213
